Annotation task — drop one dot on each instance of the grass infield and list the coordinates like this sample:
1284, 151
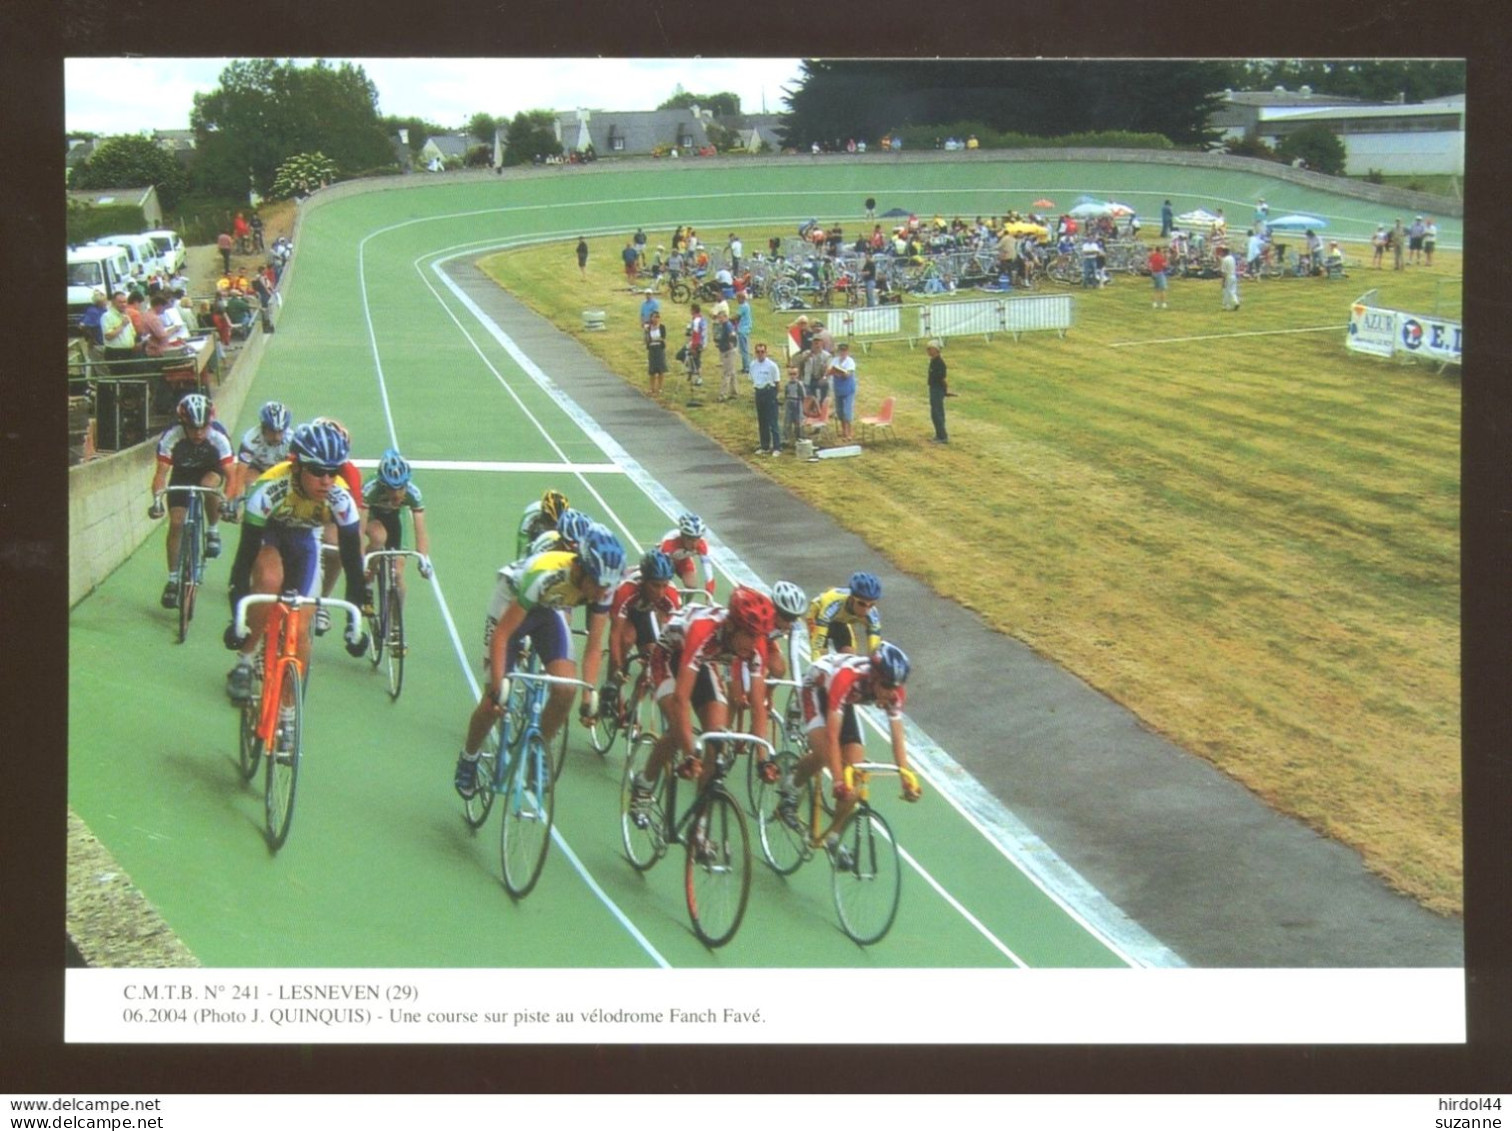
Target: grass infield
1251, 540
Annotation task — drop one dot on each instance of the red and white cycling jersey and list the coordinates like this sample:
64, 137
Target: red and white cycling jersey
840, 680
686, 561
629, 600
696, 638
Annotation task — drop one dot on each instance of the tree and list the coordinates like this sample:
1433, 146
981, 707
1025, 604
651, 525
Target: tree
301, 175
131, 161
1376, 80
531, 134
1317, 145
482, 127
419, 129
725, 104
264, 112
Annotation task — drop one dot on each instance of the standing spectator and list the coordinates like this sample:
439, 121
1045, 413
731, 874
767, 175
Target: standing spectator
631, 258
736, 249
745, 322
727, 341
223, 241
90, 320
1229, 269
1091, 252
938, 391
869, 278
118, 333
871, 208
675, 264
155, 338
842, 372
640, 244
1430, 241
1158, 277
1262, 213
173, 318
257, 231
1378, 245
1167, 220
651, 305
1254, 250
698, 329
1398, 239
582, 256
793, 394
1415, 241
243, 233
134, 312
656, 352
765, 378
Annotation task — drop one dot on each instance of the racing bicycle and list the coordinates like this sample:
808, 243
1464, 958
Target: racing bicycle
191, 555
386, 621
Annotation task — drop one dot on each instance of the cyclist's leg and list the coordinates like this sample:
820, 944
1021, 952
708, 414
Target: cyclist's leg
711, 705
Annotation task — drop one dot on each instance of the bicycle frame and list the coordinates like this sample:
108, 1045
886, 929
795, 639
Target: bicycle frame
284, 625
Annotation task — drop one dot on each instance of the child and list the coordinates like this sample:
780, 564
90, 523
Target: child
793, 394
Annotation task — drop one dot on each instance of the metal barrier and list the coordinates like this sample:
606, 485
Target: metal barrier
864, 325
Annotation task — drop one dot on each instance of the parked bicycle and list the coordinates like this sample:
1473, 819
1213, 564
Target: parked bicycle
191, 555
518, 770
712, 829
272, 717
386, 619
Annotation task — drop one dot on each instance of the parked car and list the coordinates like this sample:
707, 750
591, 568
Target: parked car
171, 251
140, 249
92, 268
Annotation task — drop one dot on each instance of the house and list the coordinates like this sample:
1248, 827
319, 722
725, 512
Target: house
754, 130
180, 143
79, 151
439, 148
1392, 137
399, 142
144, 198
631, 132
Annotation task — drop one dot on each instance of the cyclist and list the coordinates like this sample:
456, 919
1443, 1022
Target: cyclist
538, 518
388, 494
835, 613
790, 603
687, 547
351, 479
191, 453
279, 550
696, 658
566, 535
262, 445
831, 689
642, 603
531, 602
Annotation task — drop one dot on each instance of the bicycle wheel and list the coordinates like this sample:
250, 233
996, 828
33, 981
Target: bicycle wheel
644, 835
393, 615
680, 292
866, 876
377, 630
475, 809
606, 728
525, 820
783, 847
251, 748
189, 540
283, 760
717, 869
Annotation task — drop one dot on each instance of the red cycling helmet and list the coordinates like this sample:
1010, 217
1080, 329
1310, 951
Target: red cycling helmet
751, 611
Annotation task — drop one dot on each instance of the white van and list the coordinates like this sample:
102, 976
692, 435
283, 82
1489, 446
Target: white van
171, 251
140, 249
92, 268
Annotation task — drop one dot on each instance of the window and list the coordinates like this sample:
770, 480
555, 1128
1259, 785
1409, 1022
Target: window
617, 144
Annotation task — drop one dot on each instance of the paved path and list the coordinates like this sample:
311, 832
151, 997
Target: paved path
1186, 852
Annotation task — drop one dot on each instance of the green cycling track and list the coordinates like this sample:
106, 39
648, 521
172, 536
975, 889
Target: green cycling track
380, 869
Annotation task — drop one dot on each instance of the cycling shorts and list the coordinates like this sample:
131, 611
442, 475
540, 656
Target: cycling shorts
299, 547
816, 710
547, 630
189, 477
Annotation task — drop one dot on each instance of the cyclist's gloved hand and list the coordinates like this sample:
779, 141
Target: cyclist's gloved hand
356, 640
156, 510
229, 638
588, 708
231, 510
912, 790
427, 570
501, 696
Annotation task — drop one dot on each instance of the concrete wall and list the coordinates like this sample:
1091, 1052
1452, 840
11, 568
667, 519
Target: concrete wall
108, 497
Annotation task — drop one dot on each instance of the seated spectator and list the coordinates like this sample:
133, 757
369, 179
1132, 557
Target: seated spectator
240, 312
221, 322
1333, 262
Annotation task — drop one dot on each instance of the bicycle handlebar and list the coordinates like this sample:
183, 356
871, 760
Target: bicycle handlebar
158, 495
368, 558
543, 677
732, 736
695, 596
354, 614
907, 776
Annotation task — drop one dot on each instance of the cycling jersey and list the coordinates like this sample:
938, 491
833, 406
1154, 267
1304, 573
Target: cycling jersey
834, 682
696, 637
260, 455
190, 458
685, 561
275, 499
533, 523
830, 611
542, 585
380, 498
629, 599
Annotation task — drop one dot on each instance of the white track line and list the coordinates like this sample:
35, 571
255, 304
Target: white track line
1234, 334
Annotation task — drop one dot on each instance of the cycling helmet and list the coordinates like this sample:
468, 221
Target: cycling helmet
275, 416
195, 410
573, 524
689, 525
319, 445
393, 470
553, 503
890, 665
752, 611
656, 566
866, 586
336, 424
601, 554
789, 599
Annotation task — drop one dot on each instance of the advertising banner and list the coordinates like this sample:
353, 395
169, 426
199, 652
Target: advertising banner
1383, 333
1372, 330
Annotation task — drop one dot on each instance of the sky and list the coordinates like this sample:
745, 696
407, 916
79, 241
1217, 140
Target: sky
444, 91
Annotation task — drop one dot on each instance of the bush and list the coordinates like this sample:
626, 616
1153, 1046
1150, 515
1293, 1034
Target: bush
89, 221
923, 137
479, 157
199, 219
1375, 177
1250, 147
1317, 145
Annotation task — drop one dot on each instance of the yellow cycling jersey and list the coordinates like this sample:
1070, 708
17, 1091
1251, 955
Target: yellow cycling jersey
832, 607
275, 498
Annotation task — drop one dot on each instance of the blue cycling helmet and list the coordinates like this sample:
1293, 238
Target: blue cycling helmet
689, 525
275, 416
573, 524
319, 445
890, 665
602, 555
656, 566
393, 470
866, 586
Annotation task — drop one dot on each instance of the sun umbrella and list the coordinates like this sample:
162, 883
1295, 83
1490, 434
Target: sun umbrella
1024, 228
1298, 223
1043, 203
1197, 218
1119, 209
1092, 208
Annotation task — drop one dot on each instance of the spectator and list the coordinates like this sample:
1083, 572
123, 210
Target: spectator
1430, 241
134, 312
656, 352
93, 316
257, 231
1415, 241
698, 329
1158, 276
223, 241
582, 257
173, 318
765, 379
735, 248
240, 312
639, 239
744, 323
155, 337
1398, 240
631, 258
869, 278
727, 341
1378, 244
793, 394
1229, 269
938, 391
649, 306
1167, 220
842, 373
242, 231
675, 265
118, 333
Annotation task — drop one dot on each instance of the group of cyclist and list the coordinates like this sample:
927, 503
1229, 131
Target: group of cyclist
294, 489
705, 662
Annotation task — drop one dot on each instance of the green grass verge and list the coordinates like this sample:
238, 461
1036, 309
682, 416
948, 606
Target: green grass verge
1224, 521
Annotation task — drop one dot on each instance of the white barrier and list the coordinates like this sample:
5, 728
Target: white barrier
864, 325
1381, 332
